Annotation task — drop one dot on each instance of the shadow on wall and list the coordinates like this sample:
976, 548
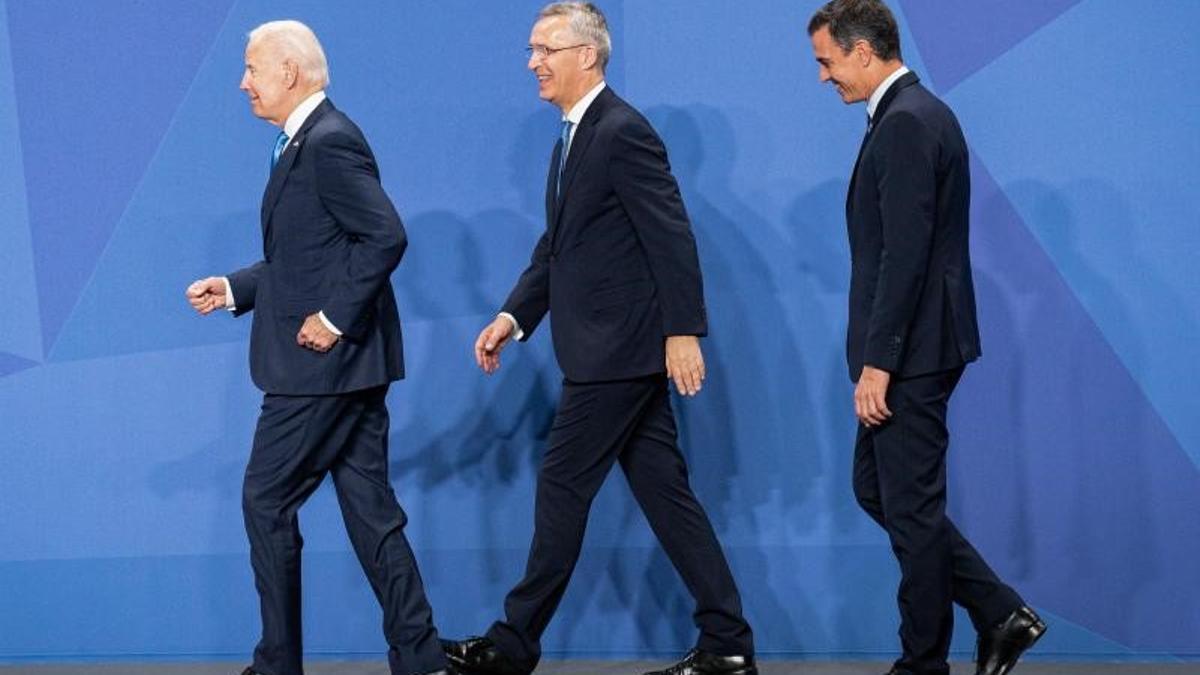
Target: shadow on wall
1051, 419
490, 431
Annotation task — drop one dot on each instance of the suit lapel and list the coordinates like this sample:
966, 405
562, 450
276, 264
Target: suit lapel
906, 80
551, 202
575, 157
284, 166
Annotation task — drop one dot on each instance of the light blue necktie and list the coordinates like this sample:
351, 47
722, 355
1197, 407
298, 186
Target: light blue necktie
281, 142
562, 157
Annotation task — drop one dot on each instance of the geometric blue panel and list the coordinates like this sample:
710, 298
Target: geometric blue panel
94, 102
20, 330
194, 211
1066, 476
10, 364
957, 38
1100, 162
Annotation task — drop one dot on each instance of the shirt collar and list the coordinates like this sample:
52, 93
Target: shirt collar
296, 120
578, 110
877, 95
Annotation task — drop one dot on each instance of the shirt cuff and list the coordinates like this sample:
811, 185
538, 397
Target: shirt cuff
517, 332
229, 303
328, 324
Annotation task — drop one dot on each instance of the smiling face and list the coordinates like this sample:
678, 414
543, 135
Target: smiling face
270, 82
849, 72
568, 70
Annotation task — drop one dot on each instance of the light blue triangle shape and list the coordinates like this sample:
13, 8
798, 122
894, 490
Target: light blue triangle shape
20, 331
1099, 164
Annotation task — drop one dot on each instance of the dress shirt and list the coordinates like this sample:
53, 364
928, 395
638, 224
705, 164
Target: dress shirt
877, 95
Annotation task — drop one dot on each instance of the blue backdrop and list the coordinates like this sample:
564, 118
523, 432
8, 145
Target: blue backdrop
130, 165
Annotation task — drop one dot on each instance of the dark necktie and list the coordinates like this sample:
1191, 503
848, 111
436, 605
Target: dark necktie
562, 157
281, 142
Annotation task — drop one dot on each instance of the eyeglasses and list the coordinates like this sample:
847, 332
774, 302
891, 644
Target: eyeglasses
542, 51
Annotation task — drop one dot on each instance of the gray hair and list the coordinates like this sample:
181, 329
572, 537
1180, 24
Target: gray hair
587, 22
297, 43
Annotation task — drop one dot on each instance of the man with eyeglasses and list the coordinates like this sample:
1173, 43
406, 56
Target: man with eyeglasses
618, 269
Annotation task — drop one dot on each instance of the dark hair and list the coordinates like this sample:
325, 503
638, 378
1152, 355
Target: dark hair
852, 20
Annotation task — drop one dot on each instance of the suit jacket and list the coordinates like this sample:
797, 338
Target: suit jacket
912, 301
617, 266
331, 239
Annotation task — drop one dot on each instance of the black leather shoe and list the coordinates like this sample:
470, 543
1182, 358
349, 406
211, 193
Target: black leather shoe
999, 648
479, 656
700, 662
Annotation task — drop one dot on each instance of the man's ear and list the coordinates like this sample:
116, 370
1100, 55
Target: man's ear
863, 52
589, 57
291, 74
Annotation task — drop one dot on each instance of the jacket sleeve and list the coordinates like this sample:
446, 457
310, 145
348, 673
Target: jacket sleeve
530, 298
349, 188
244, 285
641, 176
904, 155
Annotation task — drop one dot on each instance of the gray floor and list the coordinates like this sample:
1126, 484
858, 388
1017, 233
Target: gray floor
601, 668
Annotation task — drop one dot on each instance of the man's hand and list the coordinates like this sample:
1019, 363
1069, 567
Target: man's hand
685, 363
489, 343
315, 336
206, 295
870, 396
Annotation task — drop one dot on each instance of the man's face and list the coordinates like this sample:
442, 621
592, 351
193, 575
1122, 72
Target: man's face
558, 72
267, 82
845, 70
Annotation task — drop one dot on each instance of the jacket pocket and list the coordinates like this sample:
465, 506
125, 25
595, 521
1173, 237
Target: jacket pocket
621, 295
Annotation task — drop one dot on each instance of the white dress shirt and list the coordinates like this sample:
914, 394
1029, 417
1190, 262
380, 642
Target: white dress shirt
291, 126
877, 95
574, 116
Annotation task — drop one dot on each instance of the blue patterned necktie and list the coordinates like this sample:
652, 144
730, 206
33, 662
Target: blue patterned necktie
281, 142
562, 156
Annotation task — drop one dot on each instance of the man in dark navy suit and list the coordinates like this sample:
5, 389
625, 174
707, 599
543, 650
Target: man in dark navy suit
912, 331
324, 347
618, 272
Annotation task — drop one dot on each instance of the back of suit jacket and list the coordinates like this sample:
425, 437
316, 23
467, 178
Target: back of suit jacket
912, 299
331, 239
617, 266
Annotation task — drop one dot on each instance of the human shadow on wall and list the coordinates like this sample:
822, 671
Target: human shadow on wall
484, 431
488, 431
1084, 428
820, 269
740, 434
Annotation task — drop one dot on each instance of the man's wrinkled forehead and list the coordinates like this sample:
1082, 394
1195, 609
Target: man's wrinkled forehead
550, 28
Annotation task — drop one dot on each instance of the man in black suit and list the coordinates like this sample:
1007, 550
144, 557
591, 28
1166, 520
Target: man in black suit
912, 331
617, 268
324, 347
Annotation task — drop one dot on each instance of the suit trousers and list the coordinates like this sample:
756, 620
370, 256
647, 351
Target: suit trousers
900, 481
596, 425
299, 439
